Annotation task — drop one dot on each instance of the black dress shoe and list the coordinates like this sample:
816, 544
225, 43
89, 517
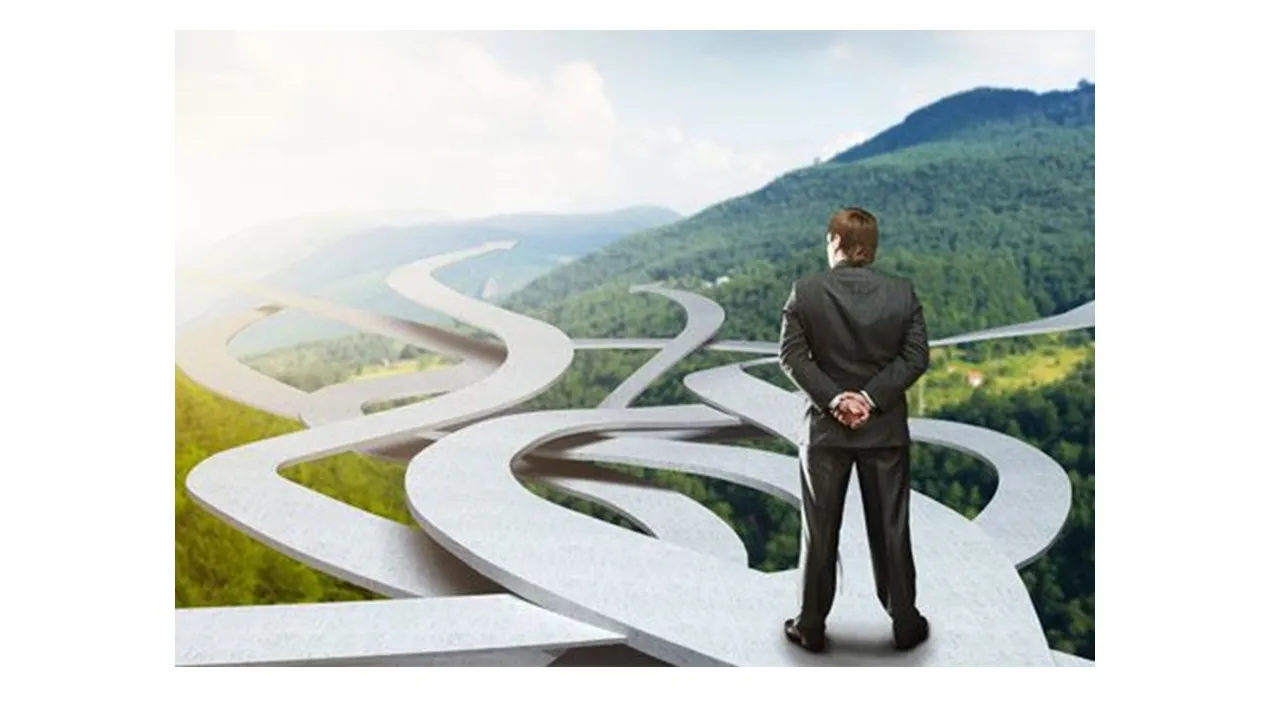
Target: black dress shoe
813, 641
909, 634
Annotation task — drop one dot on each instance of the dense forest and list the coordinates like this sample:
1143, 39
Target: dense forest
977, 115
1006, 260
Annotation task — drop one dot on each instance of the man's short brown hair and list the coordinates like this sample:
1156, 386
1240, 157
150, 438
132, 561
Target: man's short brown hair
858, 232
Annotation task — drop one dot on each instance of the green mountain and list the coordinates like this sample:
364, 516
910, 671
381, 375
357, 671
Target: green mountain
978, 114
985, 200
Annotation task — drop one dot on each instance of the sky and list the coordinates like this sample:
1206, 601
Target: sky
272, 126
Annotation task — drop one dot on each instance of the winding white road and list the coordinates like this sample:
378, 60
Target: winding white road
678, 606
1033, 493
243, 487
464, 494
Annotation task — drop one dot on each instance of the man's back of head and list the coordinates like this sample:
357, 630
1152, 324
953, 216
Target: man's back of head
853, 235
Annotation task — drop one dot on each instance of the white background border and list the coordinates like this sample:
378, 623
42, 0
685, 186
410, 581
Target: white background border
1185, 154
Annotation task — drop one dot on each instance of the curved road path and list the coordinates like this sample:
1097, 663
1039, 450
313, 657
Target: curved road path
462, 492
242, 485
703, 318
678, 525
1033, 493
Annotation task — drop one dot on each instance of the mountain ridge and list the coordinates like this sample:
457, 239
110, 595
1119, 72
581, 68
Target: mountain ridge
975, 110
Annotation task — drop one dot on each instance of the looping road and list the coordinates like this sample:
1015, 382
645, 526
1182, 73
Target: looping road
680, 592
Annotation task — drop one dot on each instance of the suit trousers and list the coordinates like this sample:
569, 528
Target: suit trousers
885, 485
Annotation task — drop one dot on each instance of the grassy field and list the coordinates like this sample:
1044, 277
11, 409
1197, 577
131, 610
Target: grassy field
217, 565
313, 365
948, 380
401, 366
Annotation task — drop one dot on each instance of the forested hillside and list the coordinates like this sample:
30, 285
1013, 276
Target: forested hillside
977, 115
995, 224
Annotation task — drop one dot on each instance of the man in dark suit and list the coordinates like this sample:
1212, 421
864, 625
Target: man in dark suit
854, 340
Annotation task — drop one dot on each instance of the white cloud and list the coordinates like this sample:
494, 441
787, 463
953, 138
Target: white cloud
272, 126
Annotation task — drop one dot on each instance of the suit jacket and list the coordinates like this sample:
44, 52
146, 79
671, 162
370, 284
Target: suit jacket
852, 328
